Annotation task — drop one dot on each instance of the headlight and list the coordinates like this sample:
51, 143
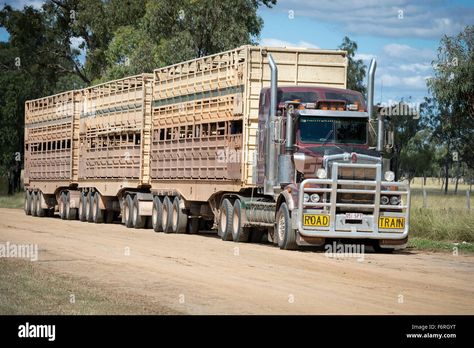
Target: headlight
321, 173
306, 197
314, 198
384, 200
394, 200
389, 176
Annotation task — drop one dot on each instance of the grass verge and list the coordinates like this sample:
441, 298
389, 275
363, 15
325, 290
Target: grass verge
13, 201
434, 245
25, 289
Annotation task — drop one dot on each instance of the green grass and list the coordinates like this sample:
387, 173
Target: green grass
13, 201
25, 290
427, 244
443, 218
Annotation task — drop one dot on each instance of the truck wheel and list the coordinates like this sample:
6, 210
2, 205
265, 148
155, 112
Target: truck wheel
71, 213
33, 203
193, 225
166, 215
28, 202
179, 219
285, 234
109, 216
156, 214
89, 205
82, 207
137, 220
98, 214
379, 250
225, 220
39, 211
128, 211
239, 233
62, 205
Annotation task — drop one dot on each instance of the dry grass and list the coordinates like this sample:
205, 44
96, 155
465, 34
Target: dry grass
442, 217
27, 290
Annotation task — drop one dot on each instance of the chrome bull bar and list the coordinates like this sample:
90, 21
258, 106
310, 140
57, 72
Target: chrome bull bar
369, 228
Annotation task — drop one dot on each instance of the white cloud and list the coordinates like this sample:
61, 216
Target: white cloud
415, 67
408, 53
364, 56
410, 82
390, 18
272, 42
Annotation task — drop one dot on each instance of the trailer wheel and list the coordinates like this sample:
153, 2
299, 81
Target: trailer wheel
166, 214
89, 206
71, 213
62, 205
40, 211
28, 202
193, 225
33, 203
156, 215
98, 214
179, 219
285, 234
138, 220
109, 216
225, 220
128, 211
82, 207
239, 233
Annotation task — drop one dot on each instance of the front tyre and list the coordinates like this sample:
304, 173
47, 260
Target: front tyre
285, 234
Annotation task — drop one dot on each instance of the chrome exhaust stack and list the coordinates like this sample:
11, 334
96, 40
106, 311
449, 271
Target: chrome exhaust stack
370, 102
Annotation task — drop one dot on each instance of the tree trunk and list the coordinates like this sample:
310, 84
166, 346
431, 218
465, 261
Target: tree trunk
457, 178
446, 176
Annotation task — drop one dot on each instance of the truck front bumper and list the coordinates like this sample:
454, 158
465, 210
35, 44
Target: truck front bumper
338, 225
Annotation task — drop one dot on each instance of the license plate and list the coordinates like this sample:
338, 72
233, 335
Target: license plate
316, 220
392, 222
354, 216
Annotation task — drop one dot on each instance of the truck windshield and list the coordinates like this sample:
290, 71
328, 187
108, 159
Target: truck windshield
333, 130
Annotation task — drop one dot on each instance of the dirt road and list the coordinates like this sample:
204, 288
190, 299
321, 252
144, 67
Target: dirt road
200, 274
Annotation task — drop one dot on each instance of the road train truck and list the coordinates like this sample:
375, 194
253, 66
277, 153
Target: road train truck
258, 143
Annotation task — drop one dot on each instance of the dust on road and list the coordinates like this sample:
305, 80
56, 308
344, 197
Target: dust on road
200, 274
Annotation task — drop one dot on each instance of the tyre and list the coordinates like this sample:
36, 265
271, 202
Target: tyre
71, 213
82, 207
98, 214
89, 204
239, 233
28, 202
33, 203
379, 250
193, 225
166, 215
285, 234
128, 211
156, 215
109, 216
225, 220
62, 205
39, 211
138, 221
179, 219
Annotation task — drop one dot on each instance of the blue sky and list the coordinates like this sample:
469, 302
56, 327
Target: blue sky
402, 34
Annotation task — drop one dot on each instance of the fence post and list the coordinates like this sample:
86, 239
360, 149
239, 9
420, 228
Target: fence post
425, 203
468, 200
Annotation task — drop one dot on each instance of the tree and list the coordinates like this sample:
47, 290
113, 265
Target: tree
356, 68
452, 87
